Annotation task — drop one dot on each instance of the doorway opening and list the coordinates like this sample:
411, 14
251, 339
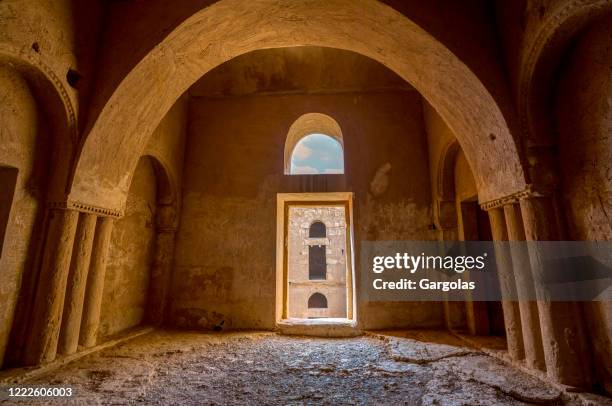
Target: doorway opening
8, 182
315, 276
482, 318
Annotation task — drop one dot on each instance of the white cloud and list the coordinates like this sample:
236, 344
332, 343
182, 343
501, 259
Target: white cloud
317, 154
325, 156
303, 170
301, 152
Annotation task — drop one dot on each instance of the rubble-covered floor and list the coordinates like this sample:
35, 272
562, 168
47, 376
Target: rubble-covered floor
415, 368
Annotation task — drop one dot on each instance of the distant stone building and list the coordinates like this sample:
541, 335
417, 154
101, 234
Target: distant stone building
317, 262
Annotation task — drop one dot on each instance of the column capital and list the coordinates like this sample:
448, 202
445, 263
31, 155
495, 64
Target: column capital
84, 208
529, 192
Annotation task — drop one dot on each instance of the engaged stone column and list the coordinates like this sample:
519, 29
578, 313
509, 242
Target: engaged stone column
563, 337
512, 317
49, 302
160, 276
532, 337
77, 280
95, 283
446, 223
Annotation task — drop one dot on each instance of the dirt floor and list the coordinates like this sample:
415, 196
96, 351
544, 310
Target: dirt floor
190, 368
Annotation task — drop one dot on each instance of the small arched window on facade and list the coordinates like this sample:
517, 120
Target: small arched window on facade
317, 230
314, 146
317, 301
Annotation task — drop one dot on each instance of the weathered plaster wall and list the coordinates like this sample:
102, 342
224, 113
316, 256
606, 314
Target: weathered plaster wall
443, 148
532, 29
230, 28
535, 35
225, 256
130, 255
585, 135
155, 183
23, 145
56, 36
304, 69
440, 138
134, 28
465, 186
167, 146
584, 117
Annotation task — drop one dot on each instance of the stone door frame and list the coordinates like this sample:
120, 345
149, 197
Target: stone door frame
284, 201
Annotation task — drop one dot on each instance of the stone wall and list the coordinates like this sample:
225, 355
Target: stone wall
24, 145
225, 255
130, 255
465, 187
584, 117
301, 288
52, 37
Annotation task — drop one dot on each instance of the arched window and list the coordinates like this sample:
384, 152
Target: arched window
317, 154
317, 301
317, 230
317, 263
314, 146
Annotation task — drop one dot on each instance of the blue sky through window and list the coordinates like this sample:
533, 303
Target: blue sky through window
317, 154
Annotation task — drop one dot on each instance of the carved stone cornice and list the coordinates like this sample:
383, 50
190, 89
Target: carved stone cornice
85, 208
529, 192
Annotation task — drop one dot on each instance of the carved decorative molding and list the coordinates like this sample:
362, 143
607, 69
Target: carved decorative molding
528, 192
34, 60
85, 208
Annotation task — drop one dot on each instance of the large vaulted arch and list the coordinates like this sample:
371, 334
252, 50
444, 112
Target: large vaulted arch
541, 60
212, 36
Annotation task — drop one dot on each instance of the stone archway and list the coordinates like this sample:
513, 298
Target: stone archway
212, 36
542, 56
446, 212
39, 135
57, 106
306, 124
547, 43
